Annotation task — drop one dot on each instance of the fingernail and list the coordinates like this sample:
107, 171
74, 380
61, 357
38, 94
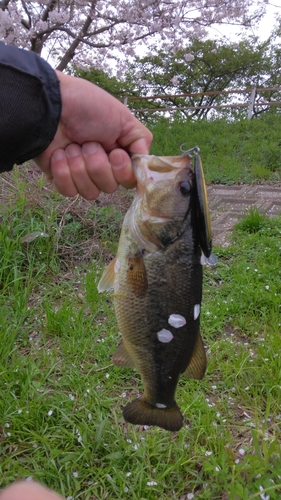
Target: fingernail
58, 155
89, 148
73, 150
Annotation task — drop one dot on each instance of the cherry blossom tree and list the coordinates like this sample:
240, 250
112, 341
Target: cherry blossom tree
97, 32
188, 80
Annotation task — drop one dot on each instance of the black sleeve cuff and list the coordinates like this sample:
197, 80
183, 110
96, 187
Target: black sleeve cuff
30, 105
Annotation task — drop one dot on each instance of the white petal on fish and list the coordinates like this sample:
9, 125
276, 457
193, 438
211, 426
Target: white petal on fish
117, 266
160, 405
165, 336
176, 320
196, 311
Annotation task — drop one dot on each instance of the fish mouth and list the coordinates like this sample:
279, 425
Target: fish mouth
161, 163
148, 214
150, 168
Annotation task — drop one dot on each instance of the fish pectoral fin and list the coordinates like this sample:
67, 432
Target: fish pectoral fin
140, 412
136, 275
107, 280
198, 363
121, 357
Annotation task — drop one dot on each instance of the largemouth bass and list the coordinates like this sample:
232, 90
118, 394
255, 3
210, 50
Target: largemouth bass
157, 283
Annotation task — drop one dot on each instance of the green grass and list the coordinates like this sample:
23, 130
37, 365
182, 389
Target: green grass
60, 398
232, 152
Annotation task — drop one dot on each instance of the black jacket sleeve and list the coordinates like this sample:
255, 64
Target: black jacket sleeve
30, 105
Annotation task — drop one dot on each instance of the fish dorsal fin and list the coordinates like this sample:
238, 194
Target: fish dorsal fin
136, 275
107, 280
121, 357
197, 365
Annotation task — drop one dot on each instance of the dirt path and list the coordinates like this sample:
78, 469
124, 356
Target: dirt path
228, 203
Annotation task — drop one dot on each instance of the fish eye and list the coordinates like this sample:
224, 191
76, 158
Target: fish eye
184, 188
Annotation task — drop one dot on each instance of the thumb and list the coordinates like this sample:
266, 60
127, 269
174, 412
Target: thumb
122, 168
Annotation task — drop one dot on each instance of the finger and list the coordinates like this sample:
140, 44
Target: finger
136, 138
60, 174
141, 146
122, 168
85, 185
28, 491
98, 167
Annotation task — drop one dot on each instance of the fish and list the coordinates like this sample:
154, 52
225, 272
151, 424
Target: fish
156, 279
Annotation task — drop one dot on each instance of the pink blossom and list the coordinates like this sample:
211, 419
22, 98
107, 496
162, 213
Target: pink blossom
189, 57
116, 23
174, 80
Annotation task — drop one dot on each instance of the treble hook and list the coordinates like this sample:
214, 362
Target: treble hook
189, 152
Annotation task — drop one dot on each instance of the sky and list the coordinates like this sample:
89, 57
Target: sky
262, 31
268, 22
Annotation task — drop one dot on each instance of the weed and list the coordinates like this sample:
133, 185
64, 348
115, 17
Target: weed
252, 222
234, 152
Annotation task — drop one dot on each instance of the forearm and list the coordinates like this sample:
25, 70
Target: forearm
30, 105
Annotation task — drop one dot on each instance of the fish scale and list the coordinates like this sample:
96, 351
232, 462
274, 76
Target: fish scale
159, 275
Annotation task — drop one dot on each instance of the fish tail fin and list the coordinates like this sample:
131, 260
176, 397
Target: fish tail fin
140, 412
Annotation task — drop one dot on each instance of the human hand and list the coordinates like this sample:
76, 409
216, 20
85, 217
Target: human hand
89, 152
23, 490
88, 170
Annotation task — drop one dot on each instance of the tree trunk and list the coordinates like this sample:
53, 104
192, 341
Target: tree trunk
68, 56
